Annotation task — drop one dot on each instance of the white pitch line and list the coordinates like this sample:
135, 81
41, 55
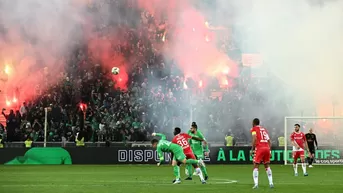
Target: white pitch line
92, 185
145, 183
224, 181
108, 183
99, 185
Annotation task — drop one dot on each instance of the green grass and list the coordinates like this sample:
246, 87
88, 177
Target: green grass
153, 179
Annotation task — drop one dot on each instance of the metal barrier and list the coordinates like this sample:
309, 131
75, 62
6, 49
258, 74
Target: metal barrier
21, 144
65, 144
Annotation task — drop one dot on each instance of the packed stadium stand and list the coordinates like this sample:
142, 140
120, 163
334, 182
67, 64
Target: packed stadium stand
155, 96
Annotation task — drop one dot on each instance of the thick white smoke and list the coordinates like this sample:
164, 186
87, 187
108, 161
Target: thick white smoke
300, 42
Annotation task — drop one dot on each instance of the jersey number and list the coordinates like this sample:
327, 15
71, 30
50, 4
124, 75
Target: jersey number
264, 136
165, 143
182, 142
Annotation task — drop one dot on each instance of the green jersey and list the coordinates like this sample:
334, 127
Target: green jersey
167, 146
197, 146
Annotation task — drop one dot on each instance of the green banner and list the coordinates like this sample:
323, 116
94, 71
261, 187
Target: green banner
145, 155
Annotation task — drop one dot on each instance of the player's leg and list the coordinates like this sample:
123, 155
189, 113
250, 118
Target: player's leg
310, 158
199, 173
196, 167
179, 181
269, 175
255, 175
189, 167
303, 164
192, 161
176, 170
256, 161
202, 167
295, 162
198, 170
266, 161
181, 157
189, 171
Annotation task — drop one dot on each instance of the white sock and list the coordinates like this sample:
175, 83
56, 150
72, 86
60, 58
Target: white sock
303, 165
255, 176
270, 175
295, 166
198, 171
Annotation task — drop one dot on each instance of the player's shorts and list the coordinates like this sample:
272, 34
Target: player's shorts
179, 156
189, 155
262, 155
199, 154
298, 154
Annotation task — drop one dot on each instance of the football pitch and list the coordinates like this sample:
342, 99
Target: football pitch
153, 179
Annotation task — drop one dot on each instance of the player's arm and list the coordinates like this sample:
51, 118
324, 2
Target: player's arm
206, 147
189, 141
192, 136
315, 140
174, 140
254, 139
293, 142
205, 142
197, 138
270, 144
160, 135
253, 142
306, 145
270, 147
160, 155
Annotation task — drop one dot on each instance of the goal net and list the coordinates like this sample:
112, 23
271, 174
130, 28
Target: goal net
329, 133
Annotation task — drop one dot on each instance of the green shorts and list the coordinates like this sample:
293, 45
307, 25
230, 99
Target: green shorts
179, 156
199, 154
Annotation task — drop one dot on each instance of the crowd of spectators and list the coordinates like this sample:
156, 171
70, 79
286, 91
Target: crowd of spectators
87, 98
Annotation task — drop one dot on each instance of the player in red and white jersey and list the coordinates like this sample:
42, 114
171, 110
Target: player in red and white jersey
299, 143
261, 145
182, 140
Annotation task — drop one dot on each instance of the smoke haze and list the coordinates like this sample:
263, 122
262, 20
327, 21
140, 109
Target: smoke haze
300, 41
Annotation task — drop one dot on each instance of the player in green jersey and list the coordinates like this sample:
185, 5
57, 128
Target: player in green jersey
166, 146
198, 150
